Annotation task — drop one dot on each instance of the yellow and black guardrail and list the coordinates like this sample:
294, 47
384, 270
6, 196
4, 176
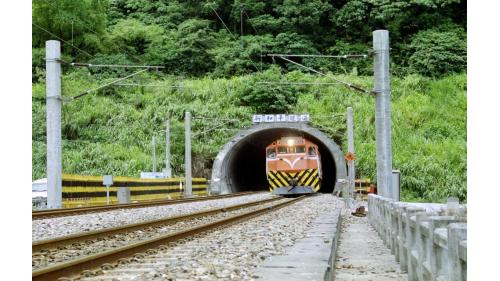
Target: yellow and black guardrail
308, 177
79, 190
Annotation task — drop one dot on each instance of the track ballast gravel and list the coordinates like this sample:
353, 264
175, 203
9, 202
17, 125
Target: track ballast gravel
62, 226
230, 253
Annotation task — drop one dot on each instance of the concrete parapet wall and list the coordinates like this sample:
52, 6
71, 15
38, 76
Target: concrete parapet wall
428, 240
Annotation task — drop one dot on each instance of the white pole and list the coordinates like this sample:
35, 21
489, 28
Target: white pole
382, 111
168, 168
154, 156
107, 194
350, 149
187, 163
54, 104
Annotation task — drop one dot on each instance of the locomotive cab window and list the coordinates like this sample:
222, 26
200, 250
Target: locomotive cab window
282, 149
300, 149
271, 153
311, 151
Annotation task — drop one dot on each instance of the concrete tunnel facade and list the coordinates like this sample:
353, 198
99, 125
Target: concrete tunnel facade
241, 163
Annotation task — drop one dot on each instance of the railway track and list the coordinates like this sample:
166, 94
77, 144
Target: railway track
44, 214
153, 234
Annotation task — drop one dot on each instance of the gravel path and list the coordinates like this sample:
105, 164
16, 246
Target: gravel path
55, 227
361, 254
231, 253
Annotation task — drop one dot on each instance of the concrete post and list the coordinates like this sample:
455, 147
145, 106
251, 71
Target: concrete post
154, 156
187, 162
168, 169
382, 111
457, 232
123, 194
54, 104
396, 185
350, 149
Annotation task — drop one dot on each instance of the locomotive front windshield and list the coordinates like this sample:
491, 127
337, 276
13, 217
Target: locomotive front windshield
271, 153
300, 149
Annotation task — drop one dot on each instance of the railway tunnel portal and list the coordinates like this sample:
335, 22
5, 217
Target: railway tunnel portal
240, 164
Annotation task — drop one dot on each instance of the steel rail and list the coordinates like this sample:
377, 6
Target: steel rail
38, 245
82, 210
74, 267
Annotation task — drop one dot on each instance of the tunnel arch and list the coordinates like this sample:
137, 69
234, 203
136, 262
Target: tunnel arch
240, 164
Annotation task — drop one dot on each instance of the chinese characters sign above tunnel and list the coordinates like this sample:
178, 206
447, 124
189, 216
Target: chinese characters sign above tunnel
270, 118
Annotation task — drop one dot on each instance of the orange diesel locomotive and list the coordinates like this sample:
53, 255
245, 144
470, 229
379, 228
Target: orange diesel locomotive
293, 166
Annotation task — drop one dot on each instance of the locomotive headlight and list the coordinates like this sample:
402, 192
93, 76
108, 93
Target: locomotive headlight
290, 142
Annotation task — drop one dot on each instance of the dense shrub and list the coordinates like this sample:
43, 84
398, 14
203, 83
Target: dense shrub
438, 53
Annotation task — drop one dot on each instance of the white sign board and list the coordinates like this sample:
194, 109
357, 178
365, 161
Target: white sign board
151, 175
270, 118
107, 180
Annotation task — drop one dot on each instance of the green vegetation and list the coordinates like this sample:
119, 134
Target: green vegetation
187, 37
111, 131
218, 66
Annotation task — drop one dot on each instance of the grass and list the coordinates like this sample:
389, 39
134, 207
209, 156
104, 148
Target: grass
110, 131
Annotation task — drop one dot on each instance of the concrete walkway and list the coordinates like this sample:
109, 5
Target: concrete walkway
361, 254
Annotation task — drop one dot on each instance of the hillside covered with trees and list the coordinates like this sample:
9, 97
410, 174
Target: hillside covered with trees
214, 49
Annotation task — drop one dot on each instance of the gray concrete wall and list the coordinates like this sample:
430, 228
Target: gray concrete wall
222, 183
428, 240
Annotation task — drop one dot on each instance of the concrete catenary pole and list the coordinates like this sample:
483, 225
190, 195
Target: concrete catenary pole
168, 169
350, 149
382, 111
188, 191
154, 156
54, 103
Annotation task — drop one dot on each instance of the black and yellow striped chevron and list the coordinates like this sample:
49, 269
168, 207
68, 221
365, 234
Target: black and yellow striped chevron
308, 177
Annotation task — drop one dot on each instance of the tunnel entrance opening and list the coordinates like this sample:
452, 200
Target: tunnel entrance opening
241, 164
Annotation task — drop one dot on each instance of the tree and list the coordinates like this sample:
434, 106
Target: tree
185, 50
437, 53
77, 22
264, 98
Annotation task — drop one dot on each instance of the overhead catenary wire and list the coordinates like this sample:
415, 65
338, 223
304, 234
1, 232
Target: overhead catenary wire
347, 84
114, 65
320, 56
296, 83
105, 85
78, 49
213, 128
234, 37
73, 17
152, 85
260, 41
222, 21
